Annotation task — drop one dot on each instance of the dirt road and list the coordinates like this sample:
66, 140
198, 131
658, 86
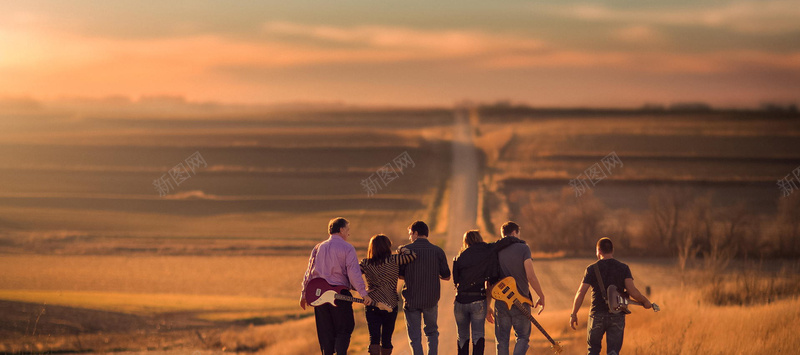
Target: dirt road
462, 216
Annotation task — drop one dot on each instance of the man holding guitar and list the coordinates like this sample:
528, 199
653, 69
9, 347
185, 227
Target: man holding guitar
515, 261
335, 261
606, 272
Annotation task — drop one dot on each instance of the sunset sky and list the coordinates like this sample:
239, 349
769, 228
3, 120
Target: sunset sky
552, 53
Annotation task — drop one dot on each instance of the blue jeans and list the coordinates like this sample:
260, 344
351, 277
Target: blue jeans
503, 321
470, 314
612, 325
414, 318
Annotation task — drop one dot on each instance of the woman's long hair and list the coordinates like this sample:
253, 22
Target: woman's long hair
380, 248
470, 238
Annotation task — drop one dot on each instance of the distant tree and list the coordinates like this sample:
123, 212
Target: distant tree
690, 107
787, 226
664, 225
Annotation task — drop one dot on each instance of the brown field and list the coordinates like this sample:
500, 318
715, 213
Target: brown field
731, 158
90, 180
94, 260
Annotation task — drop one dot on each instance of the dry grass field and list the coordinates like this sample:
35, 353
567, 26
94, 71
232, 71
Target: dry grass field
85, 186
94, 260
732, 159
718, 169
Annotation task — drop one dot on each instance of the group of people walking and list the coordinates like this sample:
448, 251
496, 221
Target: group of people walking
477, 267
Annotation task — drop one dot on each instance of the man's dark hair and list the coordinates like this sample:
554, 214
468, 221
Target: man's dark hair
605, 245
336, 224
509, 227
420, 227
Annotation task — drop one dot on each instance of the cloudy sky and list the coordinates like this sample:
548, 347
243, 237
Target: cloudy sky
553, 53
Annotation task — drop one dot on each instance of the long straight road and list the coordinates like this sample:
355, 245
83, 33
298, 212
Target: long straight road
461, 216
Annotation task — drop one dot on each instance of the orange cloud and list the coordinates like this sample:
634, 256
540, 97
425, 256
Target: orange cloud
639, 34
46, 63
423, 43
747, 16
657, 62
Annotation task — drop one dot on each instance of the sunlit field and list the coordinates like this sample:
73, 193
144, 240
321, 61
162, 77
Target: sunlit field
86, 238
94, 259
167, 167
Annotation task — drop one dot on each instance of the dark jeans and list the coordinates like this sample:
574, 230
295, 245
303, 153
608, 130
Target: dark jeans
381, 326
613, 326
414, 319
334, 326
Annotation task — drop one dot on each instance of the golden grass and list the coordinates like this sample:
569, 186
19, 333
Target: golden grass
684, 326
295, 337
274, 316
690, 327
292, 337
279, 226
241, 276
144, 303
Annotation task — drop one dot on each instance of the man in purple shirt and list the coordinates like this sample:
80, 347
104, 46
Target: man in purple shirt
335, 261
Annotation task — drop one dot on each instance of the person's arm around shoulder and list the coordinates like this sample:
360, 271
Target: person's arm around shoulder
444, 269
402, 271
504, 243
576, 305
534, 282
638, 296
405, 256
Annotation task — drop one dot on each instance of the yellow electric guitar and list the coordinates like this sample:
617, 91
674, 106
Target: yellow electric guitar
506, 290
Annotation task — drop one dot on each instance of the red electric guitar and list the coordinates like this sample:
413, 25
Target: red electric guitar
319, 292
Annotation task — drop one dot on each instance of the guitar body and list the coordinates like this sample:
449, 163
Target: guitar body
617, 303
506, 290
319, 292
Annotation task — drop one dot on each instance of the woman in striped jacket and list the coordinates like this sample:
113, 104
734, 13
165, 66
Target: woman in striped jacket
382, 269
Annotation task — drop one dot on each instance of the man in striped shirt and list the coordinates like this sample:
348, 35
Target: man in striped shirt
422, 288
335, 261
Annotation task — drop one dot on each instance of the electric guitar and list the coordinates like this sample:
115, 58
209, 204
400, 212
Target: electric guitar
506, 290
319, 292
618, 303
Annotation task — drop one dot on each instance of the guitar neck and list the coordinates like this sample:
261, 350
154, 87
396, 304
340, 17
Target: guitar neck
534, 321
348, 298
655, 307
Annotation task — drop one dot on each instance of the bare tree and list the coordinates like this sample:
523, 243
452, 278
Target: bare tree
787, 226
664, 226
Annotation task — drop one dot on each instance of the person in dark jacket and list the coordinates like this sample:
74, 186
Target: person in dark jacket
474, 269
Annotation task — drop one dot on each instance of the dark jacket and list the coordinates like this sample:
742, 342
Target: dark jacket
475, 265
422, 285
